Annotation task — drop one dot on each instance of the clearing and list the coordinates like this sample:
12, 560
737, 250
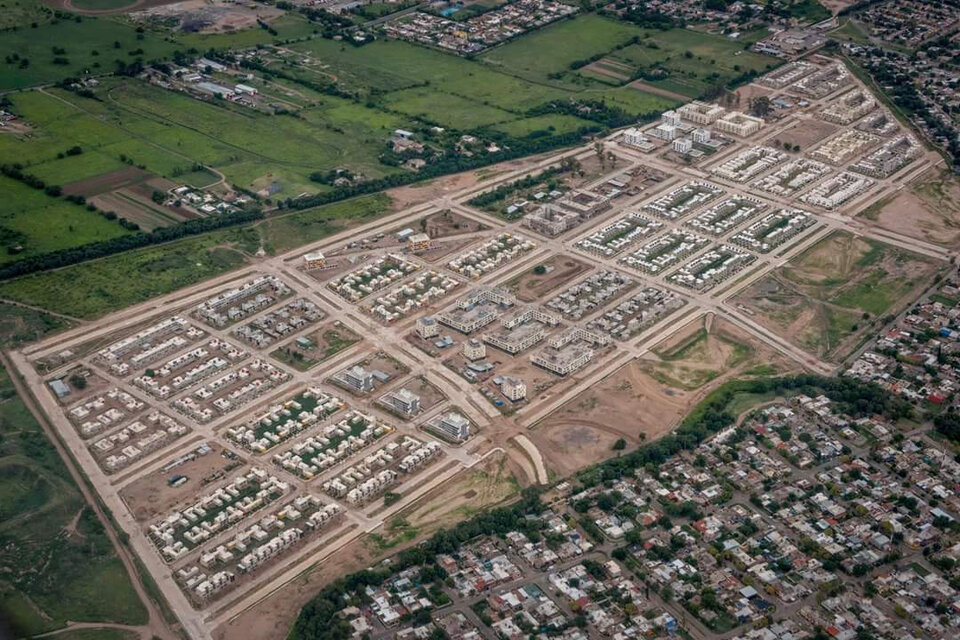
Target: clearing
828, 298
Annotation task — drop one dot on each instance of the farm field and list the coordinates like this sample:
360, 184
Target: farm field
45, 523
828, 297
96, 44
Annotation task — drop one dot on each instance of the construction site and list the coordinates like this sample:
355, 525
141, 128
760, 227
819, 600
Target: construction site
246, 430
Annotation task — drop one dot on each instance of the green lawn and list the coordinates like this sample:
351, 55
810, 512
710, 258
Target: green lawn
555, 124
446, 108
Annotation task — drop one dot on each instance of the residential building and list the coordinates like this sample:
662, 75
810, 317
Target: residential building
473, 349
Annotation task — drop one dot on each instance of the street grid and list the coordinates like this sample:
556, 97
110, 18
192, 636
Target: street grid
362, 307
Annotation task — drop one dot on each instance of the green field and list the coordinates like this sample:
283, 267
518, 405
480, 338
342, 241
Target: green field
95, 288
552, 49
56, 562
694, 61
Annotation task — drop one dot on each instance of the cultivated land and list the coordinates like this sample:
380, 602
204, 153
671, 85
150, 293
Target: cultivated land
601, 364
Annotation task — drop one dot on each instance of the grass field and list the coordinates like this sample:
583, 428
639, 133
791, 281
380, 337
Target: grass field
92, 289
41, 223
95, 288
551, 50
94, 44
56, 563
694, 61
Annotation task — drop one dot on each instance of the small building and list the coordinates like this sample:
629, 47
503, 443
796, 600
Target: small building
419, 242
682, 145
665, 131
514, 389
403, 401
405, 234
427, 327
314, 260
245, 89
357, 378
702, 136
453, 425
473, 349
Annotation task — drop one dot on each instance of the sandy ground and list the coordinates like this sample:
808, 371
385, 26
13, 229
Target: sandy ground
151, 495
201, 16
489, 483
412, 195
634, 403
836, 5
807, 133
563, 269
929, 210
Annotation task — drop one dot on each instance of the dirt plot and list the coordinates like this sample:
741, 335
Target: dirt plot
806, 133
107, 182
312, 349
430, 396
201, 16
546, 276
740, 99
929, 210
827, 298
154, 495
638, 403
449, 223
703, 351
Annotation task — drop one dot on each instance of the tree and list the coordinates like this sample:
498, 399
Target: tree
620, 445
78, 381
761, 106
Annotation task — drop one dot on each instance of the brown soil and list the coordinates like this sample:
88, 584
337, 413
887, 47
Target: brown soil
601, 70
449, 223
740, 99
107, 182
639, 403
929, 210
807, 133
529, 286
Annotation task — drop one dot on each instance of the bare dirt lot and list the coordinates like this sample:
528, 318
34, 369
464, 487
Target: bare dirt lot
557, 271
928, 210
487, 484
647, 398
825, 299
328, 340
806, 133
152, 495
200, 16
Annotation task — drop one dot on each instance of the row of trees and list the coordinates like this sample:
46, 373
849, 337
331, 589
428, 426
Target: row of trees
102, 248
